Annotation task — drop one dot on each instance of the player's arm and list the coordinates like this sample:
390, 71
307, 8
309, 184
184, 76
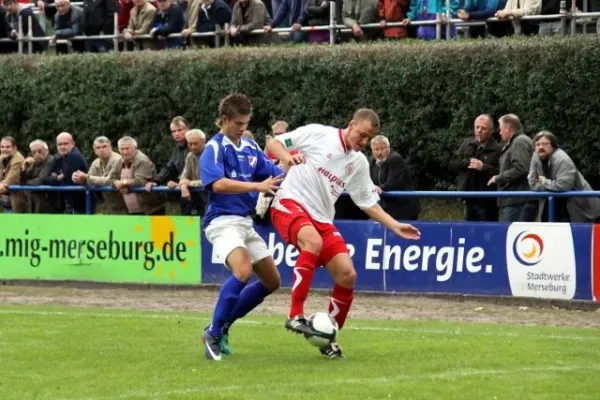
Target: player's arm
213, 175
364, 194
300, 140
282, 154
405, 231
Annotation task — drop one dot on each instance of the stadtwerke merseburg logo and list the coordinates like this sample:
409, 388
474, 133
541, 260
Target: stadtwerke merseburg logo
528, 248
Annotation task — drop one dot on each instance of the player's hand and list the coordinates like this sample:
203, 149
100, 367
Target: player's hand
149, 186
171, 184
295, 159
406, 231
270, 185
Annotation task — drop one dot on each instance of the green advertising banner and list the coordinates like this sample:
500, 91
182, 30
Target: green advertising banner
101, 248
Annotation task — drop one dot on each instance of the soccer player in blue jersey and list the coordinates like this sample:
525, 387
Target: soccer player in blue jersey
234, 171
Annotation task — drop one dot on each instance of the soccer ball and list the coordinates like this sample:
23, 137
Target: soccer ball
324, 327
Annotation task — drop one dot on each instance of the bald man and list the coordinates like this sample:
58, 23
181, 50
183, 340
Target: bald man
68, 160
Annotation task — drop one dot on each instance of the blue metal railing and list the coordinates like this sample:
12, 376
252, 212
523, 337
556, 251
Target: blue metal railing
89, 190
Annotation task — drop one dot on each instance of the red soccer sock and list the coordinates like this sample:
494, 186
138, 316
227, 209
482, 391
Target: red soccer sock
340, 302
303, 275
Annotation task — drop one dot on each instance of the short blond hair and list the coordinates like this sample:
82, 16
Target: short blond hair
179, 120
367, 114
280, 126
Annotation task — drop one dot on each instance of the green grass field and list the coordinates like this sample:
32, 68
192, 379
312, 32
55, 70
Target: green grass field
82, 353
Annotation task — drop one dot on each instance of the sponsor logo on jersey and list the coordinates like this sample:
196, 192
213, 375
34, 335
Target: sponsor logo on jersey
332, 177
288, 142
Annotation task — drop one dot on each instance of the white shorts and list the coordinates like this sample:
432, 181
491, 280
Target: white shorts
230, 232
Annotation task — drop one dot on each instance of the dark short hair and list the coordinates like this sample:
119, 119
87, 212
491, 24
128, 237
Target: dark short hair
235, 104
7, 2
548, 135
10, 139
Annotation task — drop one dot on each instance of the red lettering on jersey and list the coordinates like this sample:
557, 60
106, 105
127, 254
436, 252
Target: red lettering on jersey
332, 178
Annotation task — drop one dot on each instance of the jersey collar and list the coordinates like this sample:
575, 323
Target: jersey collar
346, 150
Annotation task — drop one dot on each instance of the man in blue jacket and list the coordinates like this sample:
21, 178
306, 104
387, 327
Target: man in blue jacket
168, 19
210, 14
292, 13
69, 160
481, 10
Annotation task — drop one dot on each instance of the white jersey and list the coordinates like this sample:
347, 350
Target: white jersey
330, 169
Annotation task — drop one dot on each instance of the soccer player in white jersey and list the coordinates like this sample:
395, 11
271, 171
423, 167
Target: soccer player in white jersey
329, 163
234, 170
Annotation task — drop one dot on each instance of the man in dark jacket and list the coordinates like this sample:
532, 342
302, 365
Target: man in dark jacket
210, 14
389, 172
168, 19
68, 22
99, 20
18, 11
35, 170
69, 161
476, 161
515, 160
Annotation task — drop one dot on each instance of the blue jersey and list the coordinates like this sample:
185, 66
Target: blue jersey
220, 159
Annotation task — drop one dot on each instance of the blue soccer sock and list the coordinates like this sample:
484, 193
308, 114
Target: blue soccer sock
250, 298
228, 298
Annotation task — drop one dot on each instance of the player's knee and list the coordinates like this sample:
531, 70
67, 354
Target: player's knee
312, 243
273, 283
243, 272
347, 278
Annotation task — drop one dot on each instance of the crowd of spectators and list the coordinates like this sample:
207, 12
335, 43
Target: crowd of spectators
515, 163
145, 24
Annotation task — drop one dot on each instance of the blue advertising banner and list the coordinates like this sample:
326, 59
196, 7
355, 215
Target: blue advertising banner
541, 260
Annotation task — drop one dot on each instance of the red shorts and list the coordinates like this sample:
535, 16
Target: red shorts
288, 224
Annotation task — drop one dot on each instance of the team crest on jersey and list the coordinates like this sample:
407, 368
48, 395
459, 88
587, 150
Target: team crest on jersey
349, 168
252, 160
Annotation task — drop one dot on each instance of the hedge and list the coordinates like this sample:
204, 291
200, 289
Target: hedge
427, 94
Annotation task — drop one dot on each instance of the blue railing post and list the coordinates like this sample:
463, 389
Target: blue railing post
550, 208
89, 201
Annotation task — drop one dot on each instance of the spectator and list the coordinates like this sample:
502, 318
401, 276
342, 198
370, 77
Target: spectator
125, 7
515, 160
24, 12
515, 10
481, 10
191, 19
360, 12
4, 33
69, 160
553, 170
193, 203
211, 14
35, 171
99, 20
104, 171
553, 26
476, 161
168, 19
278, 128
171, 172
249, 15
68, 22
140, 22
317, 14
426, 10
291, 13
389, 172
393, 11
136, 171
11, 162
